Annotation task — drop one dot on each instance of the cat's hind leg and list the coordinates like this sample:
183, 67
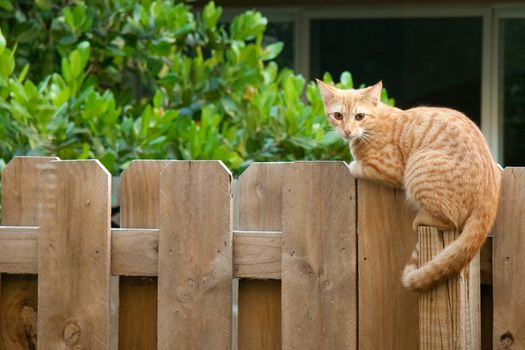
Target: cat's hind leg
424, 218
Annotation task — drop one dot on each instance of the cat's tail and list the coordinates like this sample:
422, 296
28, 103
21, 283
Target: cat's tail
451, 260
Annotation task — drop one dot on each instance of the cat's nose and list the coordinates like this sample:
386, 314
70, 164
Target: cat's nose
347, 132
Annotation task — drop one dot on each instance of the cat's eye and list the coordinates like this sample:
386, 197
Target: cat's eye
359, 116
337, 116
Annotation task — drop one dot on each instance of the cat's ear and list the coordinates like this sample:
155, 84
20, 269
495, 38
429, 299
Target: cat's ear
373, 93
327, 91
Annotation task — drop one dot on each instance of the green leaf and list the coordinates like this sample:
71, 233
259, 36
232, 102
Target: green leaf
70, 19
67, 40
44, 4
2, 43
271, 51
7, 63
211, 15
66, 69
75, 64
346, 81
248, 25
6, 5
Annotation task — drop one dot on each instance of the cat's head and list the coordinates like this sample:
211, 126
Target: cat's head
351, 112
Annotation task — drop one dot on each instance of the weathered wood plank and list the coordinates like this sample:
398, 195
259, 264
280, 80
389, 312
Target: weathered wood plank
195, 256
257, 254
134, 252
74, 256
19, 249
259, 200
319, 297
386, 241
509, 268
449, 314
19, 293
139, 208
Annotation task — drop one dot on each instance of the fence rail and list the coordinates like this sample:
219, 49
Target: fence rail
318, 256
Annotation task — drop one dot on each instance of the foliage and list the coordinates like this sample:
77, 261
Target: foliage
131, 79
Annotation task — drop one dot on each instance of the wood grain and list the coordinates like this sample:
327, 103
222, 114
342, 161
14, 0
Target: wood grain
509, 268
19, 293
257, 254
19, 249
139, 208
74, 256
319, 296
259, 200
134, 252
195, 256
449, 314
386, 240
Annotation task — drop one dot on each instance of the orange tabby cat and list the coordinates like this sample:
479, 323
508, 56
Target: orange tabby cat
437, 155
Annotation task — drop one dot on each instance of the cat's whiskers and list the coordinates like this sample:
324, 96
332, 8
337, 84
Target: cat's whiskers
367, 138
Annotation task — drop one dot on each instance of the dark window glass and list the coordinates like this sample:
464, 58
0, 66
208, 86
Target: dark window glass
421, 61
513, 104
284, 32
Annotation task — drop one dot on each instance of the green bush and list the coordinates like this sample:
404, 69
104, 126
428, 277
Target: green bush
132, 79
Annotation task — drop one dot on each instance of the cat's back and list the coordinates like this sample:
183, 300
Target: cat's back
439, 125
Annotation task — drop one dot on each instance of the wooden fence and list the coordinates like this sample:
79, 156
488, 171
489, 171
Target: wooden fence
317, 254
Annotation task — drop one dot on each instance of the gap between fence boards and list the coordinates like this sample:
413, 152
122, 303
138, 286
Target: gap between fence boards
135, 252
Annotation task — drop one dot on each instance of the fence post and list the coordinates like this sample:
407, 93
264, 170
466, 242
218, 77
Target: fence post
259, 200
449, 315
74, 256
195, 256
508, 257
139, 208
18, 302
319, 279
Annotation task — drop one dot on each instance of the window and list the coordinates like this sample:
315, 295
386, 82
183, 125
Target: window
422, 61
512, 44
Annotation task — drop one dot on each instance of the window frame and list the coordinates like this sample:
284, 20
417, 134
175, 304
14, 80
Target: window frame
500, 12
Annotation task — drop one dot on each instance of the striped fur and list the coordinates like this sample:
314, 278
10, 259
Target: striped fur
437, 155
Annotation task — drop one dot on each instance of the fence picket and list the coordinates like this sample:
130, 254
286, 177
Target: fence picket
319, 296
18, 303
74, 256
508, 263
195, 256
449, 313
139, 208
389, 316
260, 208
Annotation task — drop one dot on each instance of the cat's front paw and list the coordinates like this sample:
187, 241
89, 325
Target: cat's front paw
355, 169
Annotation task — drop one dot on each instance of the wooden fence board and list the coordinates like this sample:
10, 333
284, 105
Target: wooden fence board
509, 267
388, 313
19, 293
19, 250
257, 254
449, 313
139, 208
260, 208
134, 252
319, 296
195, 256
74, 256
